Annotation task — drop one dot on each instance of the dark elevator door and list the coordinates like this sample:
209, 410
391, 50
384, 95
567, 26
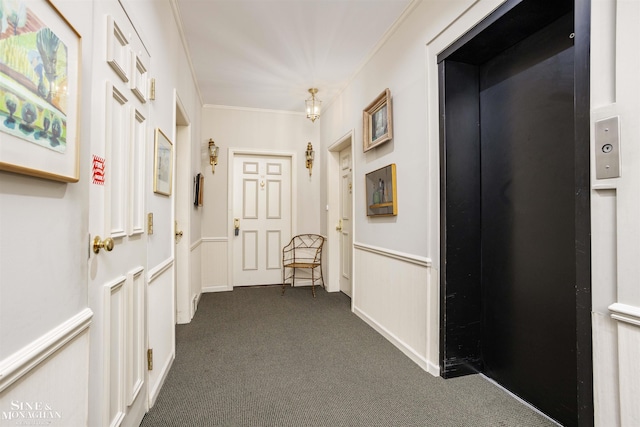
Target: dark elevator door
528, 220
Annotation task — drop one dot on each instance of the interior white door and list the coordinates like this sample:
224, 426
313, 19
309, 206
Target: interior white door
346, 224
117, 263
262, 217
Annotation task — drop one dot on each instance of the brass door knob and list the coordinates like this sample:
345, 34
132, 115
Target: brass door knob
106, 244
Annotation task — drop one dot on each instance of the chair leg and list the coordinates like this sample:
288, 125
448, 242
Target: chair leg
313, 283
284, 273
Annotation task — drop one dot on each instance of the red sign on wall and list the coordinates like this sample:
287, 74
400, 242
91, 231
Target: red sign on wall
98, 170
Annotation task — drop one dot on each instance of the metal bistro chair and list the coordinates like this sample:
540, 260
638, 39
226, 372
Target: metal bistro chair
303, 251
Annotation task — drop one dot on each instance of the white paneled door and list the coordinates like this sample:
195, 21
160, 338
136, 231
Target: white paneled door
261, 218
345, 225
117, 259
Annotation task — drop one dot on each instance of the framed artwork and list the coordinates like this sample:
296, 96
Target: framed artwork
377, 120
163, 164
198, 187
40, 60
382, 198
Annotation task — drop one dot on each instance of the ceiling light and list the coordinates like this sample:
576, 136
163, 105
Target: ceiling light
313, 105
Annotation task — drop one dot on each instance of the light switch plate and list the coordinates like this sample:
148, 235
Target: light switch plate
607, 146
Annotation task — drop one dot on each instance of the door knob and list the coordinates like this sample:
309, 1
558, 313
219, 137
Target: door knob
106, 244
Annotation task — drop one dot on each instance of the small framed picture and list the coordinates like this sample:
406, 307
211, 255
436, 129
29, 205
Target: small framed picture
382, 193
163, 164
377, 121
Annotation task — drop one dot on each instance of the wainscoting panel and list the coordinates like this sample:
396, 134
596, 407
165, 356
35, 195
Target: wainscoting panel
51, 373
161, 324
214, 264
628, 319
392, 294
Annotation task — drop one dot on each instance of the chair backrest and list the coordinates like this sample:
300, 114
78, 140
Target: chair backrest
305, 248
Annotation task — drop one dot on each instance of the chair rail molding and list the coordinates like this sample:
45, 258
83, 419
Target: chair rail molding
625, 313
414, 259
29, 357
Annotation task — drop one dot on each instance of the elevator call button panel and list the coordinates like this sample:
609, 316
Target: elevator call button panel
607, 148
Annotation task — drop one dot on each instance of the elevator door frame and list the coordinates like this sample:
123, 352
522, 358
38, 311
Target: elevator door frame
512, 22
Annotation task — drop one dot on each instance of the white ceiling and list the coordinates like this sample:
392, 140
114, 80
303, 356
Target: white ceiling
268, 53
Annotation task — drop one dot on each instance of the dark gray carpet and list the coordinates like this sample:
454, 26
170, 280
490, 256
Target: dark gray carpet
254, 358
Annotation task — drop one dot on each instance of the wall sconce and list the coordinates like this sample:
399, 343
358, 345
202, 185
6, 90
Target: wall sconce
313, 105
310, 154
213, 155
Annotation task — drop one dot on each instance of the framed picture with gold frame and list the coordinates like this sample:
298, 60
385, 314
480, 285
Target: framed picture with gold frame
162, 164
40, 58
377, 121
381, 190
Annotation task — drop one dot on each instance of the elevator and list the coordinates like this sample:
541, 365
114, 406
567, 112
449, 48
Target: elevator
515, 282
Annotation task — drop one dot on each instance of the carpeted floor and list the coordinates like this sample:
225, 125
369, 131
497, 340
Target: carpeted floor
252, 357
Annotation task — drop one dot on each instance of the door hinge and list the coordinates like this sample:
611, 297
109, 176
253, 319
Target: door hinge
152, 90
150, 223
150, 359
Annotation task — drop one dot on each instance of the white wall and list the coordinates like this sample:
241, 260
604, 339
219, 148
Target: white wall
407, 314
44, 238
43, 274
406, 64
615, 91
264, 130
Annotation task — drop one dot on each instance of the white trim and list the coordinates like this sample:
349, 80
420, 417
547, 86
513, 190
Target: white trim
255, 110
30, 356
215, 239
625, 313
413, 259
433, 369
157, 271
401, 345
216, 288
195, 245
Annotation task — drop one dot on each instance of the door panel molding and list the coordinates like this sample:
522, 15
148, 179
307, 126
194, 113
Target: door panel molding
113, 344
249, 203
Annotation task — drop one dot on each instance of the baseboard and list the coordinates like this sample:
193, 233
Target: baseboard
433, 369
216, 288
402, 346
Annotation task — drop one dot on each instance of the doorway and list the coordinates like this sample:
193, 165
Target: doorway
340, 192
187, 293
261, 217
514, 179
